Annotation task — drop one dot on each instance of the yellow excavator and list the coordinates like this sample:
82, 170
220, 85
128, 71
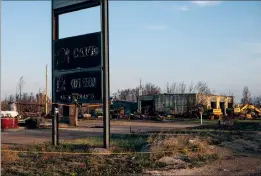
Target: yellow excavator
247, 111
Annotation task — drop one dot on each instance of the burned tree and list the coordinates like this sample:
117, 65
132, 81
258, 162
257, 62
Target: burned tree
203, 90
257, 101
151, 89
246, 96
176, 87
20, 87
191, 88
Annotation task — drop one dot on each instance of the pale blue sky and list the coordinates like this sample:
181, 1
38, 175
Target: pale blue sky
217, 42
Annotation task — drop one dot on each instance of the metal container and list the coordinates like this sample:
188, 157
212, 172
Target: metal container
9, 123
177, 103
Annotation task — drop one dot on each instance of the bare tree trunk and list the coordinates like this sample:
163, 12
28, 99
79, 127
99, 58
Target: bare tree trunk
20, 87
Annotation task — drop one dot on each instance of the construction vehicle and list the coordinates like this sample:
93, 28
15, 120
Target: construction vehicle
207, 113
247, 111
214, 114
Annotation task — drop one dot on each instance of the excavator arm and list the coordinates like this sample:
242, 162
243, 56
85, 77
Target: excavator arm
257, 110
249, 107
244, 107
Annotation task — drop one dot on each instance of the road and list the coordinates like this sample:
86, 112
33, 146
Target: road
85, 129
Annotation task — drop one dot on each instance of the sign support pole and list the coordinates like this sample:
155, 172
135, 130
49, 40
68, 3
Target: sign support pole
57, 123
105, 72
201, 122
55, 36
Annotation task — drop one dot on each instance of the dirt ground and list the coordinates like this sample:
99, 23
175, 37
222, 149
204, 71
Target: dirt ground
240, 156
227, 165
85, 129
233, 152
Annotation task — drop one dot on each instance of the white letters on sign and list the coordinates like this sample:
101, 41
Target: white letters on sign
60, 84
66, 53
81, 97
86, 96
85, 52
66, 97
78, 83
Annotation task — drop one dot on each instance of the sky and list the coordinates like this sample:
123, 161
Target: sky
169, 41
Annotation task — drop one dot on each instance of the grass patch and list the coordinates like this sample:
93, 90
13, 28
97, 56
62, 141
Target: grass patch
193, 150
184, 149
239, 125
248, 125
9, 156
119, 143
68, 164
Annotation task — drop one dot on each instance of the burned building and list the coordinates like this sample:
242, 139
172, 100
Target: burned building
129, 106
182, 103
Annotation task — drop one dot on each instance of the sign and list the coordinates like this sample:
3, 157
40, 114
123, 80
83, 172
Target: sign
57, 4
86, 84
65, 6
83, 51
65, 3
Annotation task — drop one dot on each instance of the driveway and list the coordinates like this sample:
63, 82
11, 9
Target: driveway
85, 129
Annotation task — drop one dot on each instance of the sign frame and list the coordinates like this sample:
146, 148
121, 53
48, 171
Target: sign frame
66, 6
104, 20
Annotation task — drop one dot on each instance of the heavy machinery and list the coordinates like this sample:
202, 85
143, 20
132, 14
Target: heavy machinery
207, 113
214, 114
247, 111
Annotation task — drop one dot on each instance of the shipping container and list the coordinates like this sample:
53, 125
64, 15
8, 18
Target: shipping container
182, 103
174, 103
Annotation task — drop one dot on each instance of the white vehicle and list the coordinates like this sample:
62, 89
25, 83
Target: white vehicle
9, 113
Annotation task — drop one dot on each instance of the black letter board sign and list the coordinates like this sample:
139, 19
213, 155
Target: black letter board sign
86, 84
78, 52
77, 68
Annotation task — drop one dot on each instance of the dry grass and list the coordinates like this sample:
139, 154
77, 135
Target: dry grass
9, 157
69, 164
194, 150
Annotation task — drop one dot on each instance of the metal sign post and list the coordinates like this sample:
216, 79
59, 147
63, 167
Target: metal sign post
201, 113
80, 64
56, 116
55, 125
105, 69
55, 36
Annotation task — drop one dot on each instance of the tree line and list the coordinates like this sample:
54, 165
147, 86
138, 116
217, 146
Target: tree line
132, 94
201, 87
29, 102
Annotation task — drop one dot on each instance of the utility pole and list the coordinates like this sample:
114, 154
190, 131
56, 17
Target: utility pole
46, 90
21, 83
140, 94
139, 99
20, 86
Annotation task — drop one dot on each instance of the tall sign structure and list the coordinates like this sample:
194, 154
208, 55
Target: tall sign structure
80, 64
